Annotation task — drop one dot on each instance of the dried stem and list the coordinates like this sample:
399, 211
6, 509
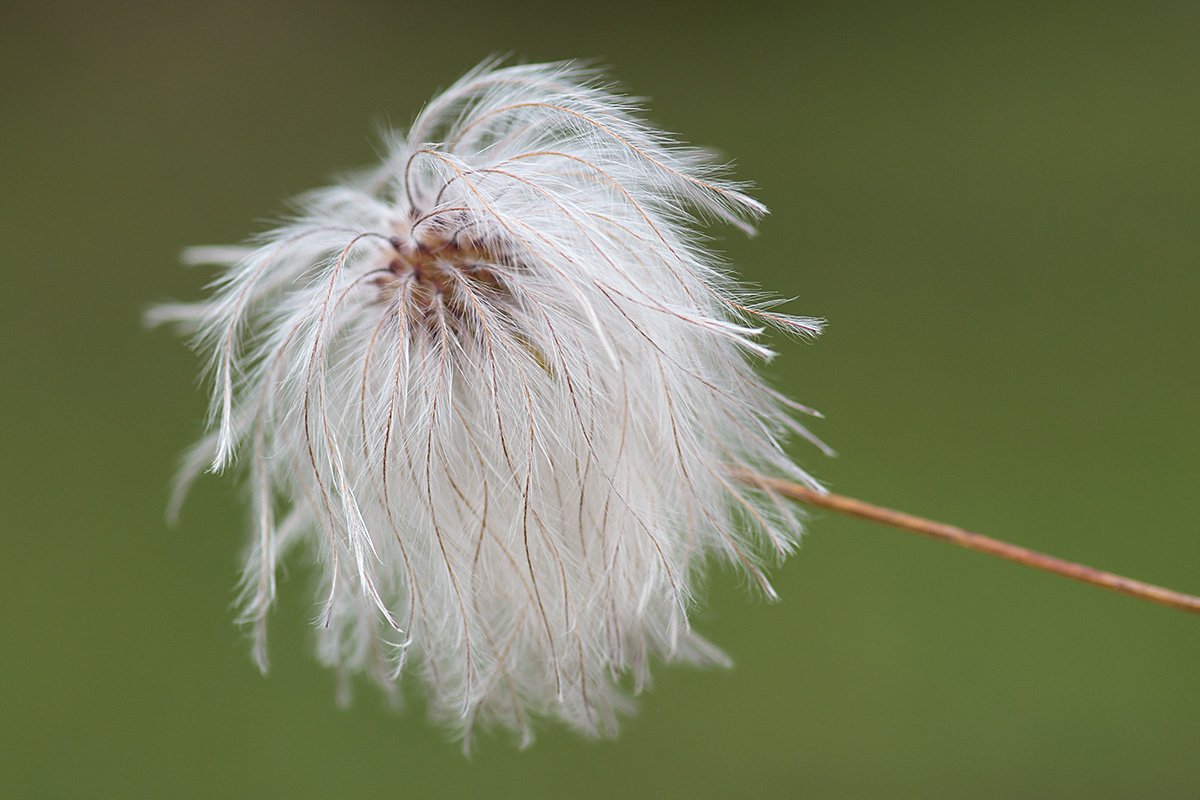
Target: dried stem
975, 541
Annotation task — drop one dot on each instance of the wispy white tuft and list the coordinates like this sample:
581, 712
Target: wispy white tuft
502, 391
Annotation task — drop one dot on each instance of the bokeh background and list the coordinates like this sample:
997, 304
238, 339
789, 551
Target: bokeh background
995, 206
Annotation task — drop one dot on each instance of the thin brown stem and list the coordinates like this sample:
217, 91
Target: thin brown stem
975, 541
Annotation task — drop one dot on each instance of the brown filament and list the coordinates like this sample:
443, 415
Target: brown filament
975, 541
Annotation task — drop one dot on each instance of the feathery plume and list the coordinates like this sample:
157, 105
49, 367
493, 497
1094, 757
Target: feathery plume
503, 392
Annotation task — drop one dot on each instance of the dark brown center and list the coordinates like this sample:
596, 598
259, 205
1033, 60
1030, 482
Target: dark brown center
438, 272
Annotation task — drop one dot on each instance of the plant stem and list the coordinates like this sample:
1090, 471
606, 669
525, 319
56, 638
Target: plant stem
975, 541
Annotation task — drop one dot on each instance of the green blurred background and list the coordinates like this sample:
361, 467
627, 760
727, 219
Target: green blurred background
995, 208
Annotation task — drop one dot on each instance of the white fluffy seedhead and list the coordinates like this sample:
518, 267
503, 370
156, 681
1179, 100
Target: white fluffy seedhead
502, 390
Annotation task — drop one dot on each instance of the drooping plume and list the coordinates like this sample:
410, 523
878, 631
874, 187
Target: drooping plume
503, 392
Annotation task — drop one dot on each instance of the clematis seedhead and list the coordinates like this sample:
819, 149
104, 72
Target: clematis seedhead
503, 393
